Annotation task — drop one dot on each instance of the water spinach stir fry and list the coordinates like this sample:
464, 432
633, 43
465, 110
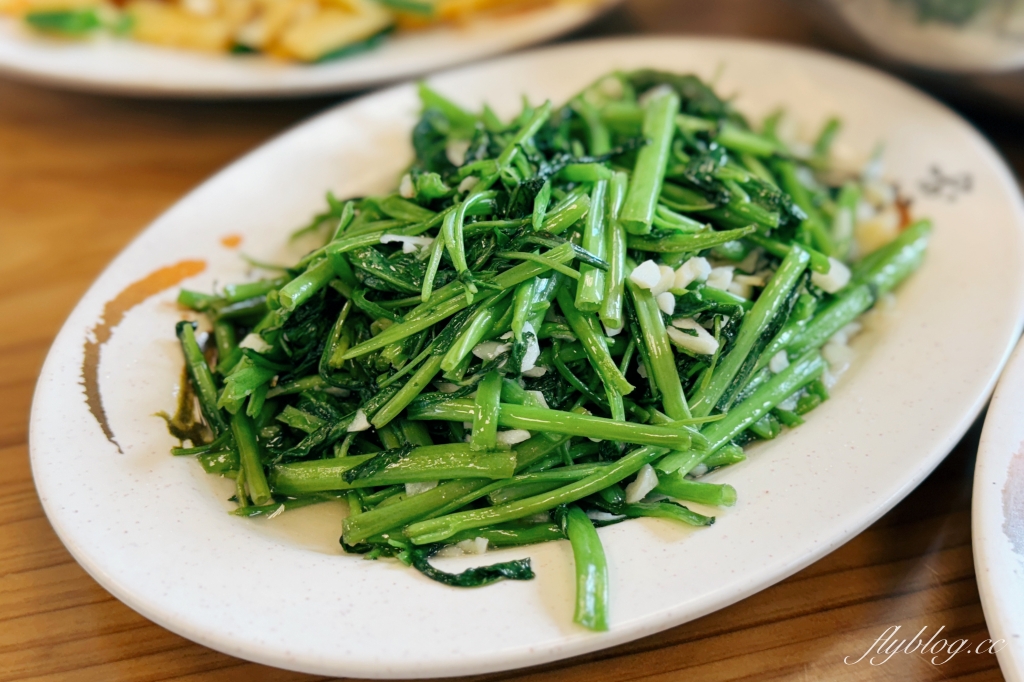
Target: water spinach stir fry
556, 323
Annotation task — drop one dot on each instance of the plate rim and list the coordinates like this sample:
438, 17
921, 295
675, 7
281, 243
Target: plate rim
987, 516
630, 631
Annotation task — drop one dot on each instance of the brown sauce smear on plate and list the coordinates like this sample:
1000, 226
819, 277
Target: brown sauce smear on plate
113, 313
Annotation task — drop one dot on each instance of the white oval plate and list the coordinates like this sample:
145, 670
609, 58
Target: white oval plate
153, 530
132, 68
997, 518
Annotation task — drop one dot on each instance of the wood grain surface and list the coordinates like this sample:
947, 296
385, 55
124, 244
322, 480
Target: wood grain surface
80, 175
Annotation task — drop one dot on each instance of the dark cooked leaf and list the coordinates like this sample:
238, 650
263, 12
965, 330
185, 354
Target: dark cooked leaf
452, 330
696, 98
773, 199
376, 271
667, 510
305, 333
556, 391
378, 463
430, 140
471, 577
700, 172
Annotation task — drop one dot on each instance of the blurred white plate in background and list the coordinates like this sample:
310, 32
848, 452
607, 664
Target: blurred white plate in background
125, 67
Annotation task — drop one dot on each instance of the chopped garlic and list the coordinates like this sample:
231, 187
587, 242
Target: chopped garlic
750, 261
255, 342
406, 188
741, 290
702, 344
468, 183
720, 277
647, 275
839, 356
539, 397
836, 278
693, 270
667, 302
417, 488
791, 402
359, 422
449, 551
456, 150
536, 372
779, 362
699, 470
646, 481
513, 436
844, 335
409, 244
665, 282
532, 348
474, 546
596, 515
488, 350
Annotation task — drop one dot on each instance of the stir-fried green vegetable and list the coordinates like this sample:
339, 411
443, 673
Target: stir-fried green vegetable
556, 323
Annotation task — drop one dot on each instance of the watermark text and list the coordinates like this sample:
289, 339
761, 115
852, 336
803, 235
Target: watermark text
936, 649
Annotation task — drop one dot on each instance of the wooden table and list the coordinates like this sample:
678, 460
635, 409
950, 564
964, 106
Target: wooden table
80, 175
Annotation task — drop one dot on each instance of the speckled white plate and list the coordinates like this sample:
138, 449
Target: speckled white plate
998, 518
130, 68
153, 529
